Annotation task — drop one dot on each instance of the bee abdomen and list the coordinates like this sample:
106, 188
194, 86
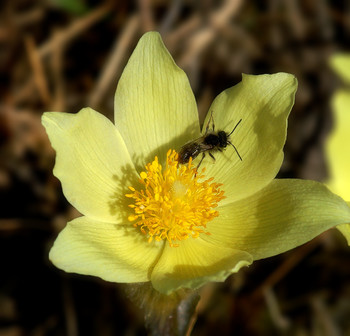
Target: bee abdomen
187, 151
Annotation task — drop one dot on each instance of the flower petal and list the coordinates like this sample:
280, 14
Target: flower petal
92, 163
155, 108
341, 65
345, 230
263, 103
284, 215
194, 263
113, 252
336, 146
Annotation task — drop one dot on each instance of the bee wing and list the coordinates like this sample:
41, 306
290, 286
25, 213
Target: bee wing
195, 141
190, 143
205, 147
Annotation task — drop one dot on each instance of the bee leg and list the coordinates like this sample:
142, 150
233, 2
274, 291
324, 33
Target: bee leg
212, 122
200, 162
212, 156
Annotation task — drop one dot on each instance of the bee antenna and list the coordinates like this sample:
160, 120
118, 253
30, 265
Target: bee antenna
235, 146
235, 127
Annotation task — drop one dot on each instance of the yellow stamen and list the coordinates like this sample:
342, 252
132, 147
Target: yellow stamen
174, 205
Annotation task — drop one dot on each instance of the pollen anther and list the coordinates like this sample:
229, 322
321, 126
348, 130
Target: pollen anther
174, 205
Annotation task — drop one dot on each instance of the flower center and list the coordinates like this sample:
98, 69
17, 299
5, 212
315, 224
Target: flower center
173, 204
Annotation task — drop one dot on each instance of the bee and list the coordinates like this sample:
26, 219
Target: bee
210, 142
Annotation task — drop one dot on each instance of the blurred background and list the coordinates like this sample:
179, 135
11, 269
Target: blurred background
63, 55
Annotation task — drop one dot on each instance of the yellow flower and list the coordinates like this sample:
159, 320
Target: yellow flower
338, 143
148, 218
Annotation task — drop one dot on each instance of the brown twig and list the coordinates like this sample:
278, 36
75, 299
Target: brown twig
69, 309
185, 30
280, 321
324, 320
115, 60
38, 70
171, 16
59, 41
59, 101
202, 39
294, 258
296, 21
146, 12
206, 293
74, 30
30, 17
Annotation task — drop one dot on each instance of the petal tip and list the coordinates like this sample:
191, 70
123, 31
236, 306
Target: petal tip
151, 37
46, 118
